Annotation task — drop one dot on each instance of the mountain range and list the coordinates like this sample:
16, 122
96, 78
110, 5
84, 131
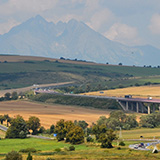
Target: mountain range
72, 40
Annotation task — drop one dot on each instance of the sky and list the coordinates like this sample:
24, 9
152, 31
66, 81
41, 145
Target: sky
131, 22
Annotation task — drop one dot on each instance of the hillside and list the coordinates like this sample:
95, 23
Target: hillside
73, 40
141, 91
44, 71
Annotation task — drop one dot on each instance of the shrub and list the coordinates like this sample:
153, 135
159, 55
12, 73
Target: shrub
66, 148
119, 148
90, 139
27, 150
13, 155
71, 148
57, 149
122, 143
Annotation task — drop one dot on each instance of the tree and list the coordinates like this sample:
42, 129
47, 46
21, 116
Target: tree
60, 130
14, 96
13, 155
107, 138
17, 129
68, 126
150, 121
33, 123
120, 115
6, 116
41, 129
75, 135
52, 129
102, 120
99, 129
7, 96
81, 124
2, 118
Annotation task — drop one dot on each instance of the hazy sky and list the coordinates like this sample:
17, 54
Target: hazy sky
131, 22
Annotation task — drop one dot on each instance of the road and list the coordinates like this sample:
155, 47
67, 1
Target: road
3, 128
144, 148
18, 90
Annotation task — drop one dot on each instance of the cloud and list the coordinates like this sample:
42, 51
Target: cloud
6, 26
155, 24
100, 18
123, 33
34, 6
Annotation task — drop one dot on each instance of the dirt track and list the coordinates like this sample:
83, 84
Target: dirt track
50, 114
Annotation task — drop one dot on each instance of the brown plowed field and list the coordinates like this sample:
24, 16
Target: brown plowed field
50, 114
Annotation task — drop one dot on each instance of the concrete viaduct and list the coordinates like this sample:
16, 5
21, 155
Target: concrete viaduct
139, 105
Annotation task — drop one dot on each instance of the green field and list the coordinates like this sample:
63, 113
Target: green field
147, 133
46, 148
22, 74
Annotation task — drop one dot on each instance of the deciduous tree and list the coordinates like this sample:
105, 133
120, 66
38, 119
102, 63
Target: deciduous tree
33, 123
17, 129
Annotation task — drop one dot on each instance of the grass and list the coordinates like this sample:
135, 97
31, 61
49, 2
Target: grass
147, 133
7, 145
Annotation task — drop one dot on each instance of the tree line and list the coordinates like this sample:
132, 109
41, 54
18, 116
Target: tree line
75, 132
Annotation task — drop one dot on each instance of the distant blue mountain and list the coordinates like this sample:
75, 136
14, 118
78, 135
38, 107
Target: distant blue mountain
37, 37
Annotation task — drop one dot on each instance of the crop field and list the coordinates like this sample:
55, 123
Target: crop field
50, 114
141, 91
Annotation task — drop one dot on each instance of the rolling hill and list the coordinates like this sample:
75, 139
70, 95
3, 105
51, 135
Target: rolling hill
26, 72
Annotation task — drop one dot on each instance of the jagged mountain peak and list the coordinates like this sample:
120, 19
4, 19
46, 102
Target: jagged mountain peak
38, 37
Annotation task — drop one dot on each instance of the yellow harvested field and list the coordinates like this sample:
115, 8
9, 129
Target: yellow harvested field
142, 91
50, 114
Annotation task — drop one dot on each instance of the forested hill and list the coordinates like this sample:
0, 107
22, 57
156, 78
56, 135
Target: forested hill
99, 76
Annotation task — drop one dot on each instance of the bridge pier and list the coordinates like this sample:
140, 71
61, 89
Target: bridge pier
137, 107
149, 109
126, 105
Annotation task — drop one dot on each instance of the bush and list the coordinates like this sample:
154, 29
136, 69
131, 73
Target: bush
119, 148
13, 155
122, 143
27, 150
57, 149
90, 139
71, 148
66, 148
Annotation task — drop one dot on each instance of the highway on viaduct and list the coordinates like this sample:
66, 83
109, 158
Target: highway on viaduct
133, 104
